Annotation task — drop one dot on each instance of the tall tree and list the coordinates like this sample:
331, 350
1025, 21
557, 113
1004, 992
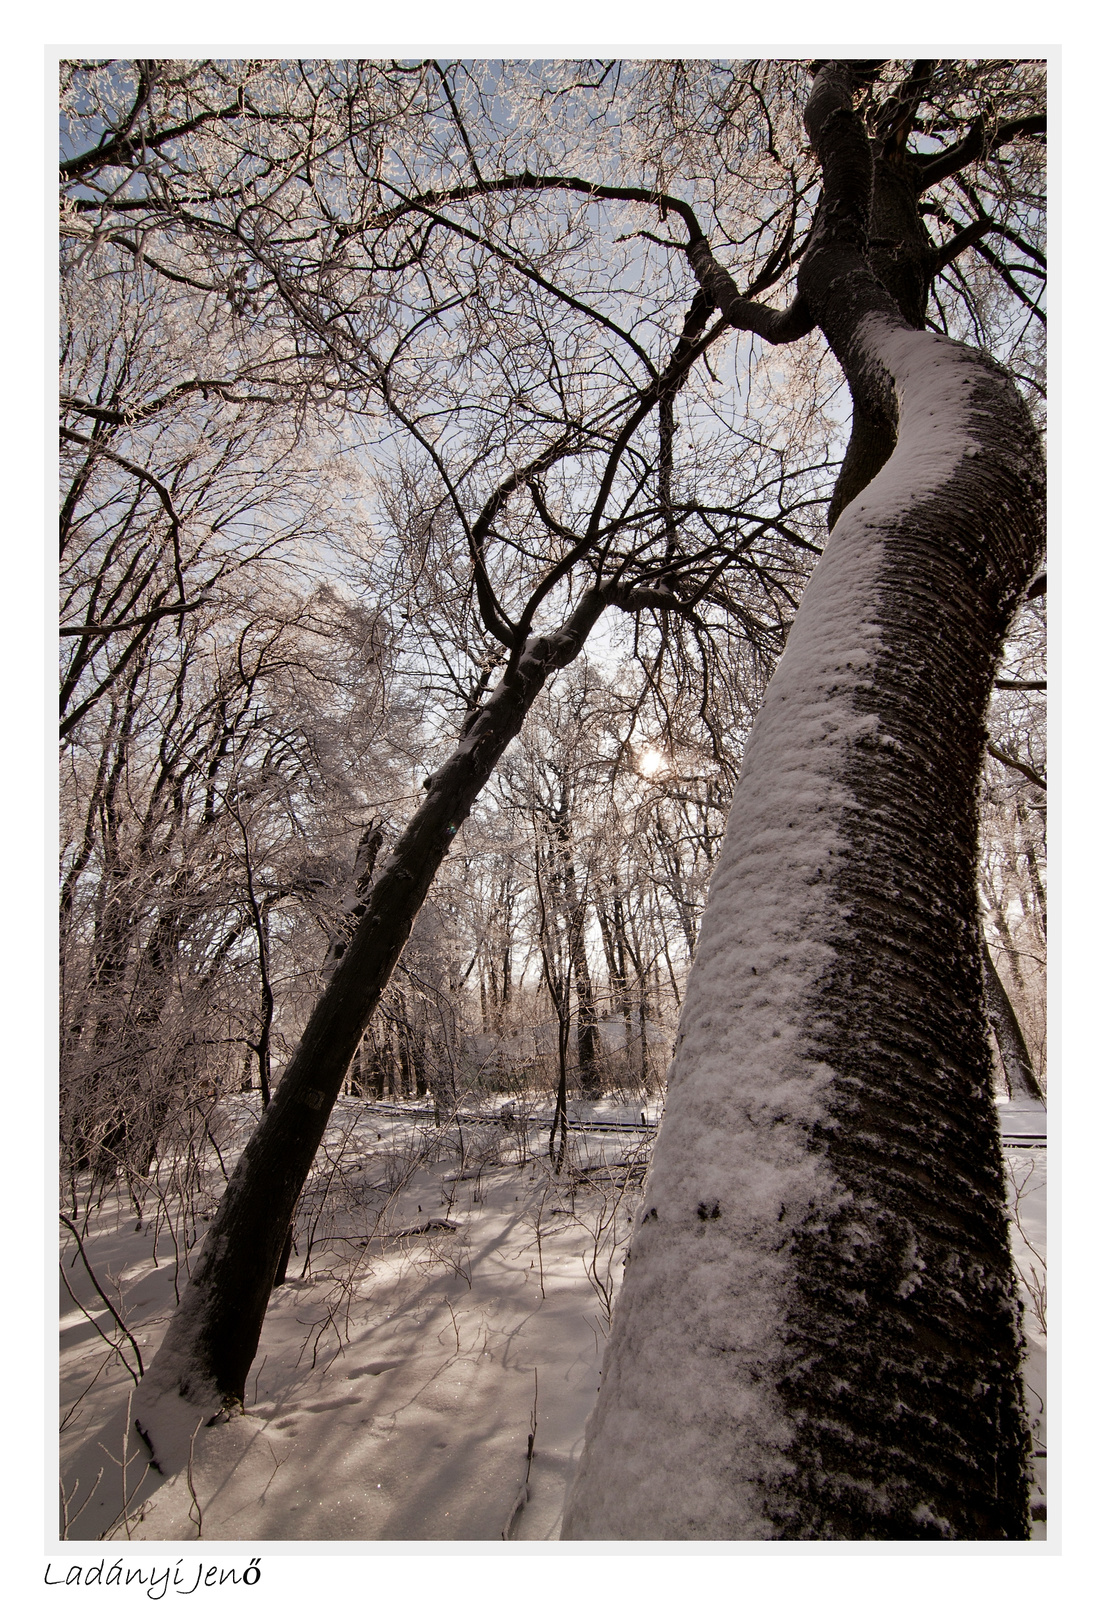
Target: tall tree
818, 1334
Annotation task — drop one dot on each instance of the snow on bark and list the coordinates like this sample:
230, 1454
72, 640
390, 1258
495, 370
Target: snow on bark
933, 379
703, 1305
767, 1261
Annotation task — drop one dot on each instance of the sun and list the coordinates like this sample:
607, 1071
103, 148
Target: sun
651, 761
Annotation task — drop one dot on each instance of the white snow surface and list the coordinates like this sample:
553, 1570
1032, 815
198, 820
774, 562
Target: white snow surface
415, 1426
400, 1412
933, 380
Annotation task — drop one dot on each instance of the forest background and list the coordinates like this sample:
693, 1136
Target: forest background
1090, 557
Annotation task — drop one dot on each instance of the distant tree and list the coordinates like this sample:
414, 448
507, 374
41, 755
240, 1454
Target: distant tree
1012, 872
1017, 1068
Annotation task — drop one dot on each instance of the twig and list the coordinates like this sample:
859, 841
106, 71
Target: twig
257, 1376
275, 1470
641, 1161
537, 1236
113, 1351
524, 1493
67, 1500
112, 1346
198, 1519
456, 1329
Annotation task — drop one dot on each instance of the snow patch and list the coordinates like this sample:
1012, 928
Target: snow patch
169, 1423
933, 380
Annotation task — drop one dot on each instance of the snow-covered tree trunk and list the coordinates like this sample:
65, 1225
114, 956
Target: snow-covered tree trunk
818, 1334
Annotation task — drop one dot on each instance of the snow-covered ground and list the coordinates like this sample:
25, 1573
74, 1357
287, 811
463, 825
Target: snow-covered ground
1027, 1171
397, 1378
454, 1301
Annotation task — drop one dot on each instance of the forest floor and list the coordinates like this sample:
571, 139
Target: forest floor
428, 1368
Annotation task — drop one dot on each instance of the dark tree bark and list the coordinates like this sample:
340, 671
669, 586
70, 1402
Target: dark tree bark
353, 905
258, 916
818, 1336
587, 1030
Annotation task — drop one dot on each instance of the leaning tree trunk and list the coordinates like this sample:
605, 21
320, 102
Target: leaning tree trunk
201, 1365
203, 1360
818, 1335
